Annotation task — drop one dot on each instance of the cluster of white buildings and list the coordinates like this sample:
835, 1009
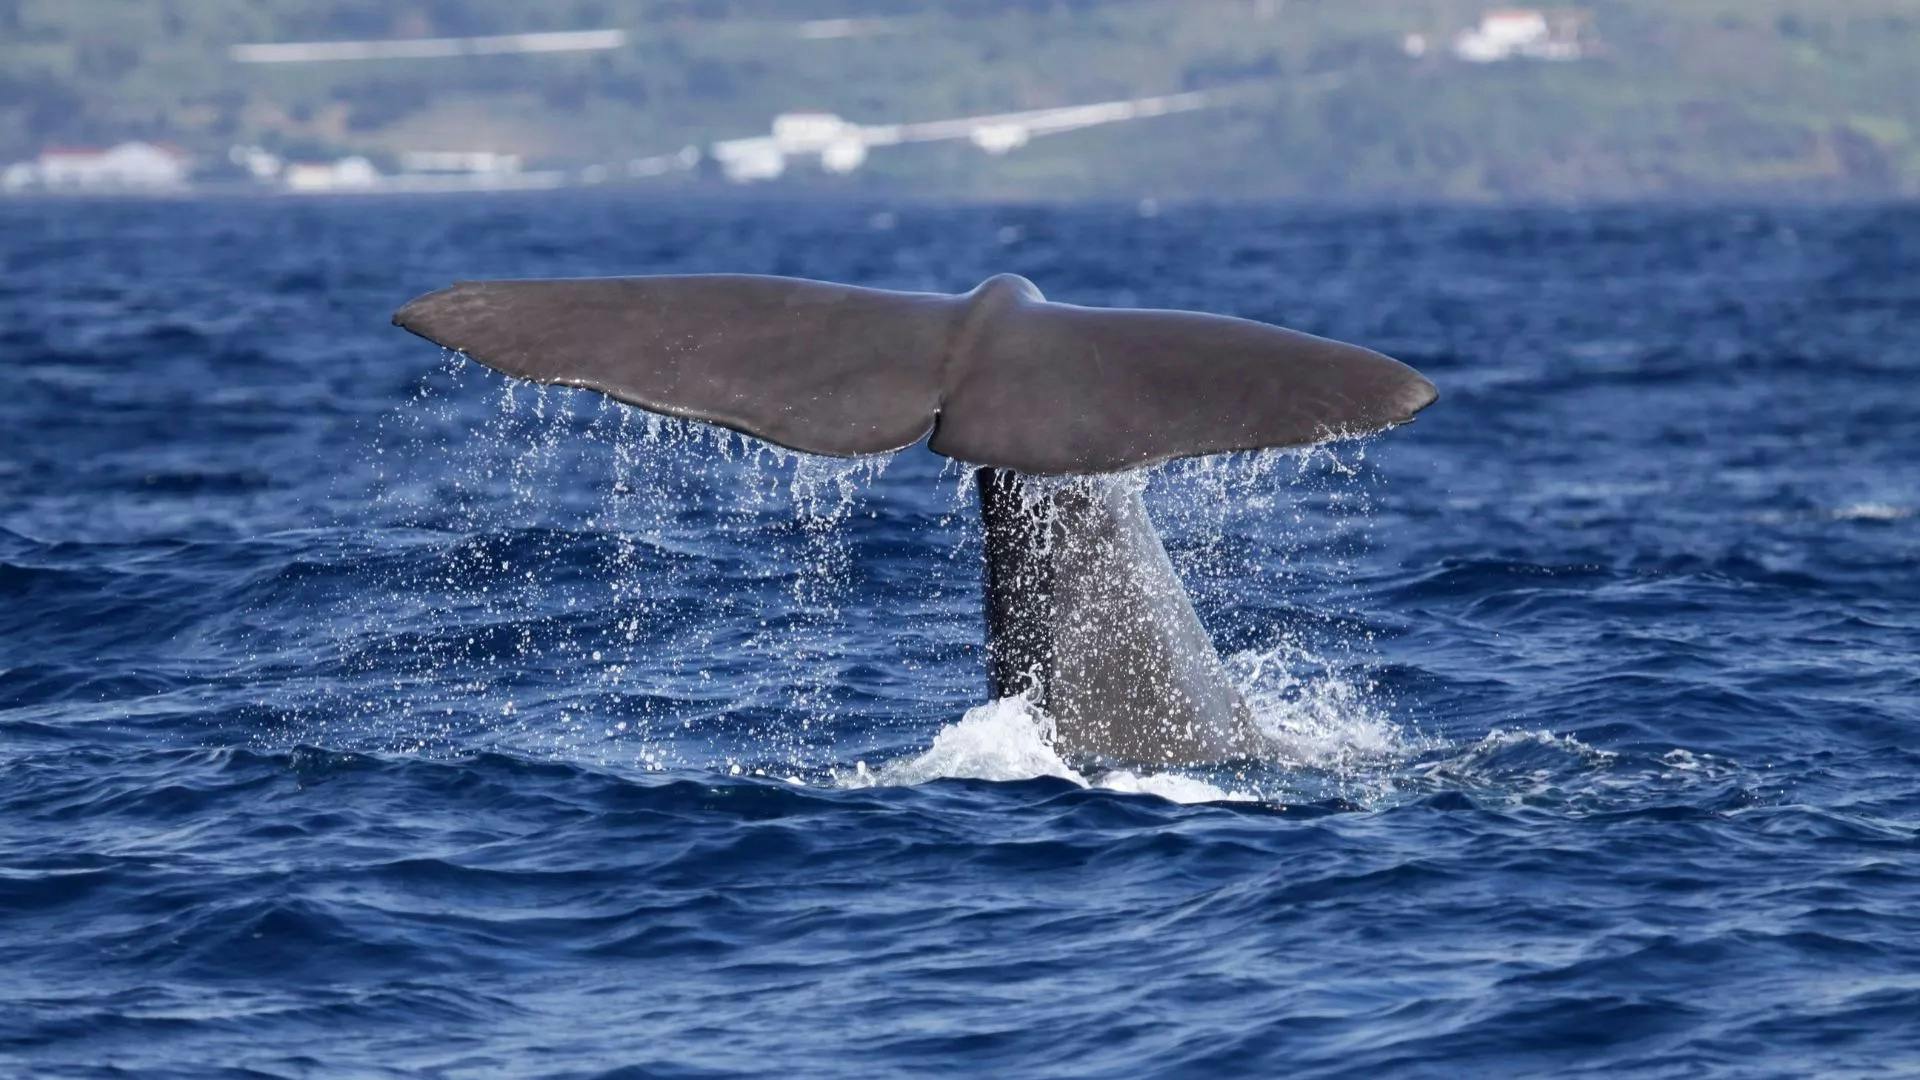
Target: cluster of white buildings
420, 170
838, 145
148, 168
822, 139
826, 140
1513, 34
129, 166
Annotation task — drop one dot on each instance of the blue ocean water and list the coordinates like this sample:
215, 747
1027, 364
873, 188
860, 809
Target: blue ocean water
363, 714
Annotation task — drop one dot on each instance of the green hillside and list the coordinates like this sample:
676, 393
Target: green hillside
1688, 98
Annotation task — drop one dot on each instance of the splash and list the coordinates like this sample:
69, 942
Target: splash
549, 586
1313, 714
1325, 735
1006, 739
1010, 739
592, 581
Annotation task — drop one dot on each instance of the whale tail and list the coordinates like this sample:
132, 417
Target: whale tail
1084, 610
997, 376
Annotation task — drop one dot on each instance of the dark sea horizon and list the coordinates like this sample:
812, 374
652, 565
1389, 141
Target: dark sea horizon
363, 713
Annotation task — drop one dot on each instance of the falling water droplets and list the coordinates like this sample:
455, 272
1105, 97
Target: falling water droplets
590, 581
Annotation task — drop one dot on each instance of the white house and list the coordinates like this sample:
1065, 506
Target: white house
1518, 33
746, 160
844, 154
809, 132
1000, 138
260, 164
840, 146
346, 174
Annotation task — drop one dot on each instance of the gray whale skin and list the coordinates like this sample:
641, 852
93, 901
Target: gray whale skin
1084, 611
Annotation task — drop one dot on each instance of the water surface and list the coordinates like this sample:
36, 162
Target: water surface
362, 714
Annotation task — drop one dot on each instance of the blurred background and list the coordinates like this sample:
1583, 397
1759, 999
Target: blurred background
989, 99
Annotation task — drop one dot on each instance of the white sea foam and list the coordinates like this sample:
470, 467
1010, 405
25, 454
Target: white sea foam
1313, 714
1873, 511
1560, 770
1312, 717
1173, 787
1009, 739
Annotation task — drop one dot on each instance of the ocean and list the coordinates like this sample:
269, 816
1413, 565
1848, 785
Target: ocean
365, 714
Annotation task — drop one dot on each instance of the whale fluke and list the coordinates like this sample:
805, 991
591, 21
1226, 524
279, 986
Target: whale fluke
998, 376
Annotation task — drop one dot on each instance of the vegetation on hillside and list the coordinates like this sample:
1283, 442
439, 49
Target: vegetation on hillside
1689, 98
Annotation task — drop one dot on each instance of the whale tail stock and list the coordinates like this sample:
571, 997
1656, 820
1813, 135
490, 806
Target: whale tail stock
997, 376
1085, 613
